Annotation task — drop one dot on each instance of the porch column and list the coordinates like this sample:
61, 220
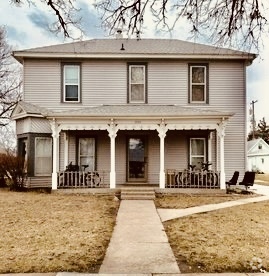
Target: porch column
210, 147
112, 132
66, 145
221, 134
55, 154
162, 133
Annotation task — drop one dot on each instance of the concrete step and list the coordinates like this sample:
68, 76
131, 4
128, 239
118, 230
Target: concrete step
137, 193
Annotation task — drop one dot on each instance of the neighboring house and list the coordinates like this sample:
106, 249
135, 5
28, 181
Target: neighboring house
131, 111
258, 155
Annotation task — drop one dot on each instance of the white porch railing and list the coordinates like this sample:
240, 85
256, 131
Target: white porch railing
81, 179
192, 179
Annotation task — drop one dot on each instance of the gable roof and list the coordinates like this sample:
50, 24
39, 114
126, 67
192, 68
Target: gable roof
24, 109
133, 48
252, 144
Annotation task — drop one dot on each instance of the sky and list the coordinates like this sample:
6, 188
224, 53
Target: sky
27, 27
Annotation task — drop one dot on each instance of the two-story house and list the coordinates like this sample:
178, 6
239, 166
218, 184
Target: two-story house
107, 112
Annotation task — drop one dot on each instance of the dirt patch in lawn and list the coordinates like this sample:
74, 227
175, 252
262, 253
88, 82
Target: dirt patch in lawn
228, 240
52, 232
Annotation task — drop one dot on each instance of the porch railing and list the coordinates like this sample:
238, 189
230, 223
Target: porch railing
82, 179
192, 179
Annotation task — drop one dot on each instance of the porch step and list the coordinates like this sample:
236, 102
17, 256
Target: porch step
137, 193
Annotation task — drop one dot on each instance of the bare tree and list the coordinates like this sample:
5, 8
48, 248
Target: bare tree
10, 81
64, 11
223, 21
261, 132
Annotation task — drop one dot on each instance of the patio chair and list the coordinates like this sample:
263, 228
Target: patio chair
248, 179
233, 180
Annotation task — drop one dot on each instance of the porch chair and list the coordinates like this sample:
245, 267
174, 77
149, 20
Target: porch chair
233, 180
248, 179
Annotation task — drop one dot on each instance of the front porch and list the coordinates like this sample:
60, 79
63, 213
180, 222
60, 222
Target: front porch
142, 148
173, 179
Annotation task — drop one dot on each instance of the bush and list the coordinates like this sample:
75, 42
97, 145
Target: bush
12, 169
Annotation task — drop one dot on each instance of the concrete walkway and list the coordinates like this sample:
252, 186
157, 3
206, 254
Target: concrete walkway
168, 214
139, 244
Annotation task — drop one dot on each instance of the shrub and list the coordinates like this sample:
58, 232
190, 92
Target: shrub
12, 169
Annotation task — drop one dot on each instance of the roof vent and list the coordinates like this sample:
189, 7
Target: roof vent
122, 47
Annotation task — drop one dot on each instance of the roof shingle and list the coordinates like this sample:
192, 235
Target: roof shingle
133, 46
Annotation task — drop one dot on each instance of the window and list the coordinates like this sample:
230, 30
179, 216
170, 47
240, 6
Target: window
71, 83
87, 154
23, 151
260, 146
137, 84
198, 84
43, 156
197, 151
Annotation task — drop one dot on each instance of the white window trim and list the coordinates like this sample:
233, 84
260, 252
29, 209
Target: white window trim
204, 155
204, 83
64, 84
130, 83
94, 154
42, 174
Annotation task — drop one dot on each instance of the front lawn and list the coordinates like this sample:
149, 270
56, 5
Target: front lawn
52, 232
262, 179
226, 240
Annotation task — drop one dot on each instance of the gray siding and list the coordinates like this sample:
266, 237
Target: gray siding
168, 83
32, 125
227, 93
105, 82
42, 82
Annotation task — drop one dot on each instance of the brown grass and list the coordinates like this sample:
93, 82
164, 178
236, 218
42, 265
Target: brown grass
262, 179
182, 201
52, 232
220, 241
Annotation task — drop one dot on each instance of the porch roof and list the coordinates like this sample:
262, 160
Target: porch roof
140, 111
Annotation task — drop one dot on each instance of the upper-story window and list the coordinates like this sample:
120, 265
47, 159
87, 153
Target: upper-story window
71, 83
198, 83
137, 83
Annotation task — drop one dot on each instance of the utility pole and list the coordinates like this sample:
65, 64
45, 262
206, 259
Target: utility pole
253, 119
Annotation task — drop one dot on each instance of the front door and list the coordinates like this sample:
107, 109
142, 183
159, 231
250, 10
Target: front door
137, 159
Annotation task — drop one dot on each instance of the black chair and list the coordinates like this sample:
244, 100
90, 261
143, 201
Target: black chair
233, 180
248, 179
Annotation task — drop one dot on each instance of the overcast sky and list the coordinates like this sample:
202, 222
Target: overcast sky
27, 27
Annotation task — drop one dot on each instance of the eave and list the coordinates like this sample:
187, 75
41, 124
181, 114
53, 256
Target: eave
21, 55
